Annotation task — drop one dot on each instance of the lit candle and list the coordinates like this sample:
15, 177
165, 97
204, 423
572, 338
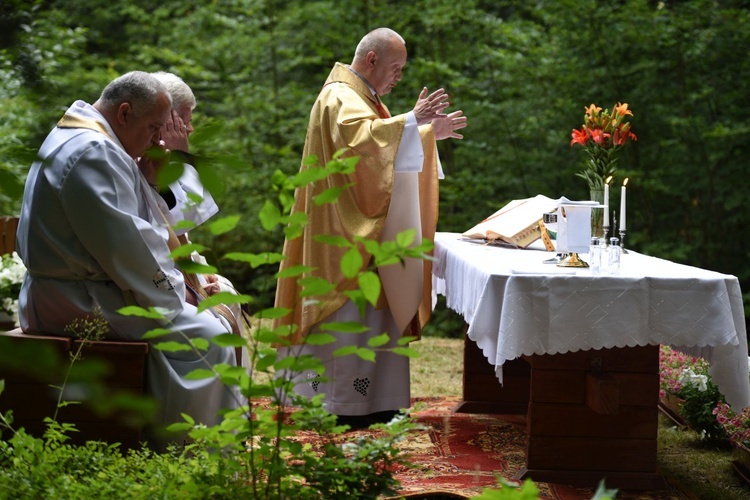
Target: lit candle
622, 205
605, 223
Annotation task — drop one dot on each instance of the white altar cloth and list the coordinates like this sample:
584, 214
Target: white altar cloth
516, 305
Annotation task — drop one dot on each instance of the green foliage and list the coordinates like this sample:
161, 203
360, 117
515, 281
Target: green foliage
698, 412
253, 453
522, 72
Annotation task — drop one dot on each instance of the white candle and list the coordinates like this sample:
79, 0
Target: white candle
622, 205
605, 223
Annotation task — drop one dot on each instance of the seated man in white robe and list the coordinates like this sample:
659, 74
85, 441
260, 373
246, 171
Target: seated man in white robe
91, 236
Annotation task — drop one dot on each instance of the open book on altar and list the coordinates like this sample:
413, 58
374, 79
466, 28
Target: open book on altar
517, 223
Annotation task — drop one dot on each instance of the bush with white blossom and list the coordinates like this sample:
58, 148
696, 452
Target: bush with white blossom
12, 272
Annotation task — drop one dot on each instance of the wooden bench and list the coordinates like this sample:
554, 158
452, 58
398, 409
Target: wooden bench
8, 226
29, 391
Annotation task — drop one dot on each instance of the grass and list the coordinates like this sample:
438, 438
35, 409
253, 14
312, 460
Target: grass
700, 471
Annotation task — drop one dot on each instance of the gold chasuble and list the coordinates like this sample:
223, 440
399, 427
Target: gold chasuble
346, 116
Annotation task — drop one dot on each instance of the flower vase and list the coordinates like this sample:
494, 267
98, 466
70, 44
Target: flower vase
597, 214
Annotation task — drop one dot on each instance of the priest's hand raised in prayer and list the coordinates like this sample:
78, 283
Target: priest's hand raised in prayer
175, 133
445, 127
429, 107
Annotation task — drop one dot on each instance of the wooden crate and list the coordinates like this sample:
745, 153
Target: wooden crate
593, 415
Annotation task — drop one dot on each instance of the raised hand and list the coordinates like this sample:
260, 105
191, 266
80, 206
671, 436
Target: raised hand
429, 107
175, 133
445, 127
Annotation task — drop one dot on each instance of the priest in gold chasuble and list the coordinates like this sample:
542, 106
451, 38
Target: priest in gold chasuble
393, 188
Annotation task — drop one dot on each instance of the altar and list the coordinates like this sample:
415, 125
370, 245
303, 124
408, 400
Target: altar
578, 352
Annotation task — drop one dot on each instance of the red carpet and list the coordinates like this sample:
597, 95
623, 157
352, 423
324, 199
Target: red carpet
462, 454
458, 455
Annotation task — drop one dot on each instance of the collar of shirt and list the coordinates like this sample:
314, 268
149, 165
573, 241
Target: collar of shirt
369, 86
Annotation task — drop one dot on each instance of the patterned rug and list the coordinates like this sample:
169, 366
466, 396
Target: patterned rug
462, 454
459, 455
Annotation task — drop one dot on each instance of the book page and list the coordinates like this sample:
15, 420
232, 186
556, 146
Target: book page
516, 222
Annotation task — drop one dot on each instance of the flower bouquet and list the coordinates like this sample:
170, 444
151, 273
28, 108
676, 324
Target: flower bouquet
12, 272
602, 134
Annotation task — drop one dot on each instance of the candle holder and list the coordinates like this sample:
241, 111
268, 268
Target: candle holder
622, 241
572, 260
606, 232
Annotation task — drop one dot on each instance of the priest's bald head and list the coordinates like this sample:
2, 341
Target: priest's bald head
136, 105
380, 58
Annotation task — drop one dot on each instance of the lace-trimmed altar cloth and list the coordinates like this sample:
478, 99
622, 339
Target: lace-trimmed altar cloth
516, 305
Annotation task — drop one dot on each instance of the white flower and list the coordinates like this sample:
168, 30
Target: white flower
12, 272
699, 382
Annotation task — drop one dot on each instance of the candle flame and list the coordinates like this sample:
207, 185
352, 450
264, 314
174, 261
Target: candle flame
625, 181
606, 181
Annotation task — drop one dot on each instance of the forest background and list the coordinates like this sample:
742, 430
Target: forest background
522, 71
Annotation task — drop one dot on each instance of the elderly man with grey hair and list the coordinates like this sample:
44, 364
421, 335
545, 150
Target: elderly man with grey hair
393, 189
92, 238
187, 200
183, 195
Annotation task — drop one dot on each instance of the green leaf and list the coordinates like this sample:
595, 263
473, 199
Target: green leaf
309, 175
273, 313
255, 259
269, 215
229, 340
189, 266
209, 175
351, 262
406, 351
170, 172
345, 351
366, 354
369, 283
329, 239
151, 313
173, 346
344, 327
406, 340
223, 298
186, 250
156, 332
199, 343
265, 361
200, 374
379, 341
224, 225
320, 339
179, 427
313, 286
331, 195
310, 160
404, 239
184, 224
293, 271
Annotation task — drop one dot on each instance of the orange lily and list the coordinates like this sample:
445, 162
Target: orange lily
579, 137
